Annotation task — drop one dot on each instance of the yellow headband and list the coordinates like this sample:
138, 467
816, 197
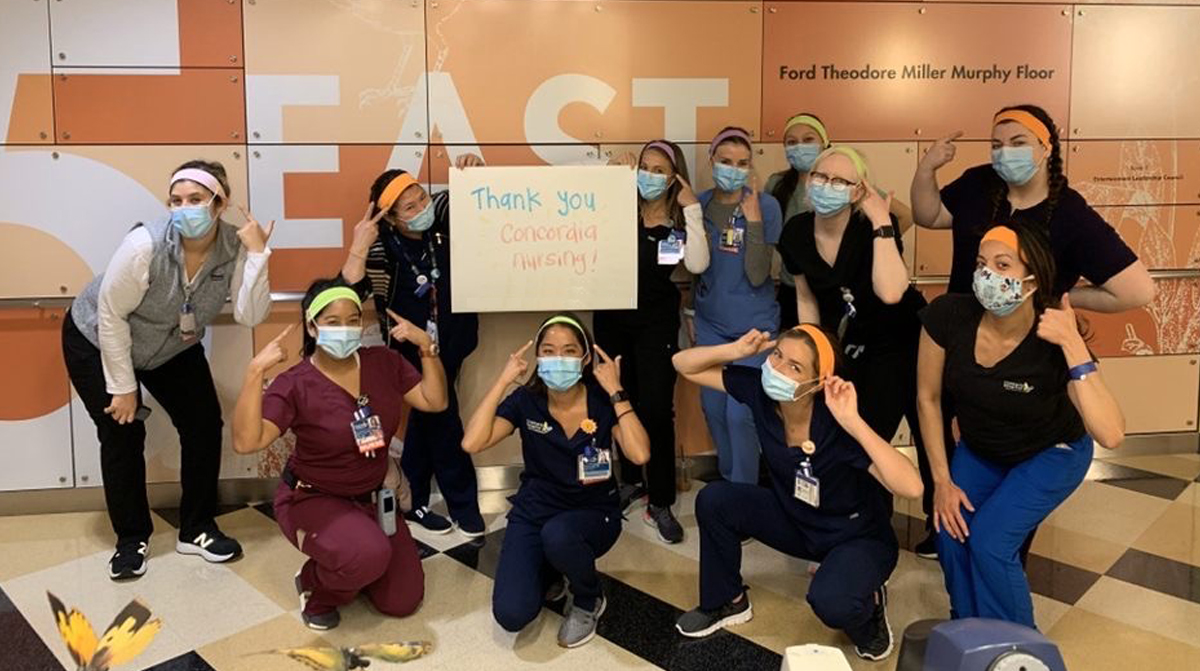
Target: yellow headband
810, 121
563, 319
328, 296
394, 189
1029, 121
825, 358
860, 164
1005, 235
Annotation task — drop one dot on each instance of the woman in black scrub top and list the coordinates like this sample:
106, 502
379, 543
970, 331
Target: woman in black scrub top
830, 496
566, 512
1025, 182
670, 230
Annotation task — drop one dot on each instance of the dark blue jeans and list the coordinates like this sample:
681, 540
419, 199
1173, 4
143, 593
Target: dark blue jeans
533, 555
984, 575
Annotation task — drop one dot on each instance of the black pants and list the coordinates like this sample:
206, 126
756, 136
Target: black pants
789, 315
184, 387
649, 377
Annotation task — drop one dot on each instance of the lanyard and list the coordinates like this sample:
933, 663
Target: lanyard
434, 272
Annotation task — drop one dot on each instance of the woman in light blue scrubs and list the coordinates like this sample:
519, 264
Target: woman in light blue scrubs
736, 293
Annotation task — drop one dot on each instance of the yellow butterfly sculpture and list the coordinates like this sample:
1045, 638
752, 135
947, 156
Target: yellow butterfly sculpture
359, 657
128, 635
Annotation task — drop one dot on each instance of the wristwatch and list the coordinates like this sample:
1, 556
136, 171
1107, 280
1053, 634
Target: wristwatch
432, 352
619, 397
885, 232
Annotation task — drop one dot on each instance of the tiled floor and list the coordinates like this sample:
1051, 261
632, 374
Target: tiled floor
1115, 574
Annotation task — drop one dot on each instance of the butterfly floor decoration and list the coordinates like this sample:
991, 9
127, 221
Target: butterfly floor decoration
358, 657
128, 635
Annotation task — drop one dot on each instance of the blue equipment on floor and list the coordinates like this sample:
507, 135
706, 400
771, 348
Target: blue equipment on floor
976, 644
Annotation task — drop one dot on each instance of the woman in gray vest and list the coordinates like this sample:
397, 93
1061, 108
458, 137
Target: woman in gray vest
141, 323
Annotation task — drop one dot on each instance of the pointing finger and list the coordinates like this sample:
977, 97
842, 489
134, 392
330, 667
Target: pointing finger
524, 348
285, 333
953, 136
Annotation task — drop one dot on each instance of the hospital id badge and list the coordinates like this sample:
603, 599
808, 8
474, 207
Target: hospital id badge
431, 328
670, 251
595, 468
187, 323
808, 489
368, 433
731, 240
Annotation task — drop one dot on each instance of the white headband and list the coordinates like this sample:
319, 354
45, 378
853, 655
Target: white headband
200, 177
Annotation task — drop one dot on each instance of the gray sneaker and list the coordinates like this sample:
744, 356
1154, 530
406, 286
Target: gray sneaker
664, 522
579, 626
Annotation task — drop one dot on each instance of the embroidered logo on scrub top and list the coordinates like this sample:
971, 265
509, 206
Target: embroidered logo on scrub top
541, 428
1019, 387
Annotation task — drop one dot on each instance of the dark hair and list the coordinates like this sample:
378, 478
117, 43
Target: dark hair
310, 343
735, 139
796, 334
1039, 261
1054, 168
381, 183
791, 177
680, 167
216, 170
582, 334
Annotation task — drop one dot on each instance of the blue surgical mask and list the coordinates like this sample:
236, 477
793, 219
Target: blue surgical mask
560, 373
339, 342
781, 388
826, 200
651, 184
729, 178
802, 156
423, 221
1015, 165
998, 294
193, 221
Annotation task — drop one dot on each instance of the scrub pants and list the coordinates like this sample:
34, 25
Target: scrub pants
184, 387
842, 593
730, 423
348, 553
649, 376
534, 555
433, 448
984, 575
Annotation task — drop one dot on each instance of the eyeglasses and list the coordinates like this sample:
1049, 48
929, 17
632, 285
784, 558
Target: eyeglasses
836, 183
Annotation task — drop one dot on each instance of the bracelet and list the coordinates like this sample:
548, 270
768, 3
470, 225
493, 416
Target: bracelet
689, 312
623, 414
1079, 373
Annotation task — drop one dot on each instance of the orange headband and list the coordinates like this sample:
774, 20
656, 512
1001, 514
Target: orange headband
1005, 235
1030, 122
394, 189
825, 358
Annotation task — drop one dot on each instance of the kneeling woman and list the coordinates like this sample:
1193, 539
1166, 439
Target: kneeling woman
1029, 401
342, 403
830, 499
567, 511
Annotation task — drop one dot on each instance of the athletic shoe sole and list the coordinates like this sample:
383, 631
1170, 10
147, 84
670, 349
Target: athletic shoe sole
737, 618
438, 532
590, 636
927, 555
471, 534
658, 532
211, 557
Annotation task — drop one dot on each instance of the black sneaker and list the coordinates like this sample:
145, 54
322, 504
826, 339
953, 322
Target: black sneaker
129, 561
472, 527
212, 545
429, 520
316, 621
661, 518
880, 645
927, 549
557, 590
698, 623
630, 496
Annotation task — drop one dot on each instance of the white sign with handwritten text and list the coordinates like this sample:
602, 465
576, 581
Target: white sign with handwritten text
543, 238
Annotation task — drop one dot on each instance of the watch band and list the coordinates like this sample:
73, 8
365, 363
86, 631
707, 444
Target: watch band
619, 397
885, 232
1080, 372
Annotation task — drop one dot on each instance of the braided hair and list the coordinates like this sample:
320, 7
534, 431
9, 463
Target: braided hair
1054, 170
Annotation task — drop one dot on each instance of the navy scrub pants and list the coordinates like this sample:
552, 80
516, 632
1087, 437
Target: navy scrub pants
730, 423
842, 592
984, 575
534, 555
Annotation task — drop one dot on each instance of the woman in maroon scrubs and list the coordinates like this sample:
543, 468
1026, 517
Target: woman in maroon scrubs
342, 402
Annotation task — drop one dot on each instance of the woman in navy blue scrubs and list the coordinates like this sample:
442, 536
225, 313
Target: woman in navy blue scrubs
567, 511
831, 484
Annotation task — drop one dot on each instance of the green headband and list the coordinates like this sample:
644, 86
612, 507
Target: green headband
860, 164
810, 121
328, 296
563, 319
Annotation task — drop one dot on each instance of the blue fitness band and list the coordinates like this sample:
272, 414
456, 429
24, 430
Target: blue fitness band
1081, 371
